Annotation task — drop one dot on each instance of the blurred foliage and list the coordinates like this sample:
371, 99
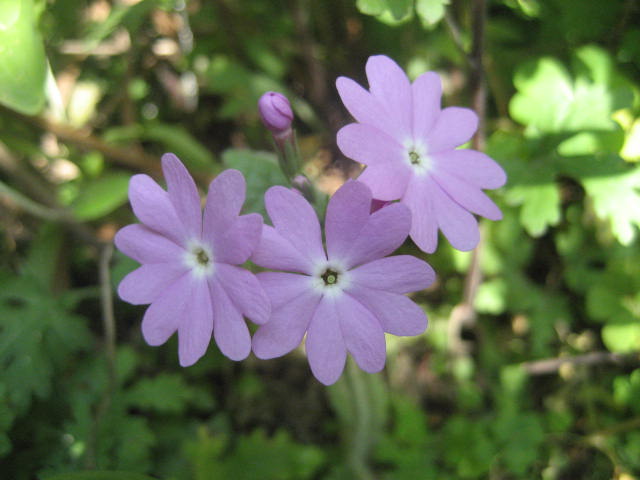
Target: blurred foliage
544, 384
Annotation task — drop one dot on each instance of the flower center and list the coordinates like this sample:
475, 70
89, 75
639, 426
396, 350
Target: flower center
201, 256
199, 259
329, 277
417, 157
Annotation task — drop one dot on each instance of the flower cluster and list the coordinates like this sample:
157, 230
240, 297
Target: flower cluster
339, 292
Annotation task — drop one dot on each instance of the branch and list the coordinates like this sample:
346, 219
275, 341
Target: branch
464, 314
552, 365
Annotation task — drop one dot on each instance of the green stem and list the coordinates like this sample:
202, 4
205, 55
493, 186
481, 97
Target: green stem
362, 435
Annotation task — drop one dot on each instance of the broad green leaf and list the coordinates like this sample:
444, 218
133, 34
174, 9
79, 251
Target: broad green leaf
544, 87
166, 393
431, 12
622, 338
371, 7
101, 196
387, 11
492, 297
178, 140
540, 206
23, 64
549, 100
96, 475
616, 198
260, 170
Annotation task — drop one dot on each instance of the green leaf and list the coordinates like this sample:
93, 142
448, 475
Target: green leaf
616, 198
622, 338
166, 393
540, 206
23, 64
178, 140
431, 12
101, 196
371, 7
549, 100
261, 171
387, 11
96, 475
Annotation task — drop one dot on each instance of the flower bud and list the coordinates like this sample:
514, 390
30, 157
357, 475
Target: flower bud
276, 113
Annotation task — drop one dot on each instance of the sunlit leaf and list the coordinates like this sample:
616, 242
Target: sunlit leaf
622, 338
431, 11
23, 64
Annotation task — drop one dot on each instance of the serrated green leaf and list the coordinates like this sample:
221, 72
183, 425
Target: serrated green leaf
621, 338
431, 12
260, 170
616, 198
371, 7
166, 393
101, 196
549, 100
23, 64
540, 206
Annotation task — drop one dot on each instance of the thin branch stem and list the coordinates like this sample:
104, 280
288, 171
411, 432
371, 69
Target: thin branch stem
552, 365
464, 314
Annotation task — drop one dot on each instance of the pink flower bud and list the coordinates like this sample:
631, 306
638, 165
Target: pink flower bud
276, 113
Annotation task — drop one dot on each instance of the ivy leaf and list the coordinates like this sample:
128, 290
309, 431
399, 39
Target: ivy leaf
23, 65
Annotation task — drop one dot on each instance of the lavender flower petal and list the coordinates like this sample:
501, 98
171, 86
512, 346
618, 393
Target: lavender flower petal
424, 225
224, 201
194, 332
454, 126
286, 327
146, 283
152, 206
467, 196
229, 328
383, 233
363, 106
390, 86
473, 167
295, 220
388, 181
397, 274
277, 253
183, 194
245, 292
347, 213
369, 145
426, 90
325, 345
163, 316
456, 223
236, 244
397, 314
282, 287
146, 246
362, 333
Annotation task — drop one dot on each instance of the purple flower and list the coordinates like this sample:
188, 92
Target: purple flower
343, 298
409, 146
276, 113
189, 273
